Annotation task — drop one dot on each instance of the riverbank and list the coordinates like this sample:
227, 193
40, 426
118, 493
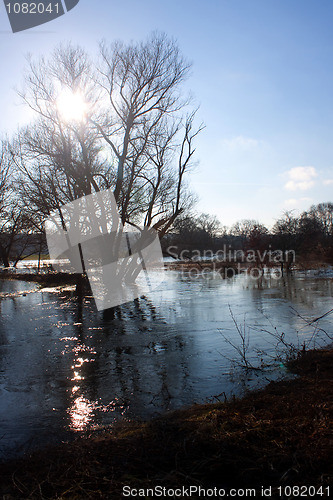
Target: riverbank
56, 278
279, 436
225, 269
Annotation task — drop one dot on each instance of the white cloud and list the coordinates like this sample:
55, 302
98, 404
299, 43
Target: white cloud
297, 203
240, 142
328, 182
300, 178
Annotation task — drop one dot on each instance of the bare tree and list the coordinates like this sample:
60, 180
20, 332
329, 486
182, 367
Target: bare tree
143, 84
246, 230
209, 224
60, 157
323, 212
15, 225
5, 171
5, 195
133, 137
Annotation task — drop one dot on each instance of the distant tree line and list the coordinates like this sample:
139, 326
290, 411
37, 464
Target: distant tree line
309, 235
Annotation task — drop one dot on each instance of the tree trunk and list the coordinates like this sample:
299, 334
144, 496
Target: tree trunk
4, 256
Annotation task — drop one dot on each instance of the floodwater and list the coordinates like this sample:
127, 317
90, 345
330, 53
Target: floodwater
65, 369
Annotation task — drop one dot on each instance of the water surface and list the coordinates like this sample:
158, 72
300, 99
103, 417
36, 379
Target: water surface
65, 369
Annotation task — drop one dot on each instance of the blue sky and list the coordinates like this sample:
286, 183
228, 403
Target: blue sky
262, 74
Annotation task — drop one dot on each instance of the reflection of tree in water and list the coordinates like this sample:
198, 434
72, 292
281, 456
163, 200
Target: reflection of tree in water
292, 288
132, 362
294, 301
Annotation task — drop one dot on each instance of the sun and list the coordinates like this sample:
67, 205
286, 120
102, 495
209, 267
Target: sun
71, 106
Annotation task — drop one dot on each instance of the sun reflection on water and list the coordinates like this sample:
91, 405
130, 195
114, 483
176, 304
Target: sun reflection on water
82, 410
81, 413
77, 376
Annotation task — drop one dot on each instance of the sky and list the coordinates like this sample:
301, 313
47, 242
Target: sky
262, 74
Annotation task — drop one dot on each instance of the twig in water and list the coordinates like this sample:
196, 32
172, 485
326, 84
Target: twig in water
243, 348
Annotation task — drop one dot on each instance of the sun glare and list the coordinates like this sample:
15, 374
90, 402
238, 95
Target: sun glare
71, 106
